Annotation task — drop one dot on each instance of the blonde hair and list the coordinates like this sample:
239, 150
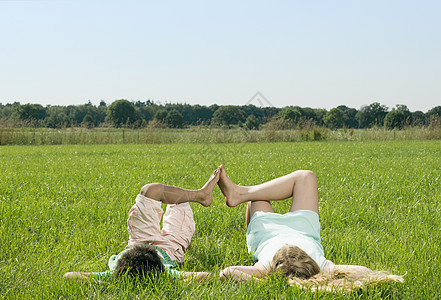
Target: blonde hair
292, 261
302, 271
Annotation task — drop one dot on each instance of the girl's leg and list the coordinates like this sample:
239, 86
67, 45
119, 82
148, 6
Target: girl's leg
174, 195
253, 206
301, 185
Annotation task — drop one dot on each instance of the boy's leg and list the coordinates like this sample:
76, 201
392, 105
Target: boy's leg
174, 195
178, 227
178, 223
301, 185
143, 221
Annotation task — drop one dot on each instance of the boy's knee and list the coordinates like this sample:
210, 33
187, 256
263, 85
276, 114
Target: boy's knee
151, 190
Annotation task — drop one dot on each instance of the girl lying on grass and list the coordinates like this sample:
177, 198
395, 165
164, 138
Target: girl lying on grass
290, 243
149, 248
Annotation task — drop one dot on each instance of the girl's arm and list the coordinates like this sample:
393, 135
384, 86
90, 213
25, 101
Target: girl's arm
242, 273
331, 268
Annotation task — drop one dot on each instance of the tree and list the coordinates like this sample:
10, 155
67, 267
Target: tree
77, 113
57, 117
394, 119
433, 117
371, 115
122, 112
308, 114
161, 115
10, 111
350, 113
290, 113
228, 115
185, 110
213, 107
334, 118
31, 112
101, 114
174, 119
320, 114
379, 111
269, 112
407, 115
146, 112
252, 122
251, 109
88, 121
434, 113
418, 118
202, 114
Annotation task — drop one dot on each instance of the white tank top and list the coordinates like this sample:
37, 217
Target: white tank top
268, 232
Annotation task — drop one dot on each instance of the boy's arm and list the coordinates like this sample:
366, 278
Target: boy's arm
106, 275
242, 273
79, 275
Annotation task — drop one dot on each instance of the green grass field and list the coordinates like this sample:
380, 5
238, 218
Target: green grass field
64, 208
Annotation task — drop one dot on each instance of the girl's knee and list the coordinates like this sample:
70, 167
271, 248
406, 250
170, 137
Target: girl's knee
309, 175
306, 174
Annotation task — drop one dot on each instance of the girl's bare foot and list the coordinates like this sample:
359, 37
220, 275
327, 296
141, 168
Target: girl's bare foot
230, 190
206, 192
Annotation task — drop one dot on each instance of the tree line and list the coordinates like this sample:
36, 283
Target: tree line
140, 114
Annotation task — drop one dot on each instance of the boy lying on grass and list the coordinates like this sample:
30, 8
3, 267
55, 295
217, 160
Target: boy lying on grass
149, 248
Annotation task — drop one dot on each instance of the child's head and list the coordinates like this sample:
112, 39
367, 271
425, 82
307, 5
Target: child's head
138, 260
292, 261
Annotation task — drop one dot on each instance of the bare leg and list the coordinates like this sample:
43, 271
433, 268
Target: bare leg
253, 206
301, 185
174, 195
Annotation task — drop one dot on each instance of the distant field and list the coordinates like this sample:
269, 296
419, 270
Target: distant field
64, 208
201, 134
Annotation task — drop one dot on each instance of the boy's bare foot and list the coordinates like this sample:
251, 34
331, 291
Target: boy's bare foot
229, 189
206, 192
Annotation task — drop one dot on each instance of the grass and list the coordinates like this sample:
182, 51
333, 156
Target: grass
63, 208
200, 134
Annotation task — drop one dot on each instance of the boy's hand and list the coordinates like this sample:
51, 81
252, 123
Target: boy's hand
79, 275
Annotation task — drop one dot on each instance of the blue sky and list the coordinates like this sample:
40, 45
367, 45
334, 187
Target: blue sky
317, 54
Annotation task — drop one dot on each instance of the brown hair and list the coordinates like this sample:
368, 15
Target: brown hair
139, 260
292, 261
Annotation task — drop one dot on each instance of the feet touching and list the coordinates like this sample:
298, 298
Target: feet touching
230, 190
204, 196
206, 192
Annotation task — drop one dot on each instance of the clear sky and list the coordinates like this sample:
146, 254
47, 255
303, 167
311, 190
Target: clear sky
317, 54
